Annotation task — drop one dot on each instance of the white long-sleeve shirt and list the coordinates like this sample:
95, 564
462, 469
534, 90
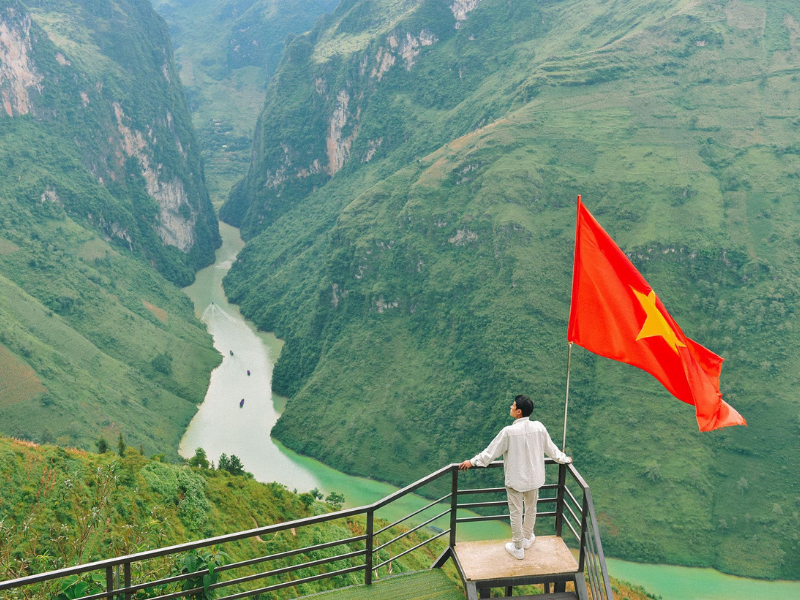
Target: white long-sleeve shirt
523, 445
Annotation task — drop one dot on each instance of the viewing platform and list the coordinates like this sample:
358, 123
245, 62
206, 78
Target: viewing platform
485, 565
564, 507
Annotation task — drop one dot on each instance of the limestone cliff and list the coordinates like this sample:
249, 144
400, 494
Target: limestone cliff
101, 79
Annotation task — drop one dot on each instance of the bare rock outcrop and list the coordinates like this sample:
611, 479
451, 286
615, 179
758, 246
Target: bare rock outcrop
18, 76
338, 147
177, 218
461, 8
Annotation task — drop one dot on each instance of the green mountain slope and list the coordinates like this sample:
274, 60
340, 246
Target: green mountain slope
63, 507
410, 215
101, 188
227, 51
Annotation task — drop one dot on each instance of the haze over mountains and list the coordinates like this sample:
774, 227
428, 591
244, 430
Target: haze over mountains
410, 213
226, 52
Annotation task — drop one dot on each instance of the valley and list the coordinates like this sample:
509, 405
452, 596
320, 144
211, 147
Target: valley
396, 183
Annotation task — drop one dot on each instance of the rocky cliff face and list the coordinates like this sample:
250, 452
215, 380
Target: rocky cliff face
18, 76
104, 77
342, 64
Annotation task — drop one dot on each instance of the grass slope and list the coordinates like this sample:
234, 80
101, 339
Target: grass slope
424, 281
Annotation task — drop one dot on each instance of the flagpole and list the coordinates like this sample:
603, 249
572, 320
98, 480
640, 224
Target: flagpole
566, 402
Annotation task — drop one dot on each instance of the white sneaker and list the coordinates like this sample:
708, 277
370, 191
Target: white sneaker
518, 553
527, 543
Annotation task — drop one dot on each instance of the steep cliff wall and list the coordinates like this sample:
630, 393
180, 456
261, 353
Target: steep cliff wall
101, 78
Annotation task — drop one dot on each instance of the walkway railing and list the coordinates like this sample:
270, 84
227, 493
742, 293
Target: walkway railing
147, 574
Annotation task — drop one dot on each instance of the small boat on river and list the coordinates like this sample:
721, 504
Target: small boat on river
248, 372
241, 403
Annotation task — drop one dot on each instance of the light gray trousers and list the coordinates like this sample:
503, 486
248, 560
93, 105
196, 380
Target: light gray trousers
520, 528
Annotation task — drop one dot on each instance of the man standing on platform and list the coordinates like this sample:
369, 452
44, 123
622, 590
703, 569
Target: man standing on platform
523, 445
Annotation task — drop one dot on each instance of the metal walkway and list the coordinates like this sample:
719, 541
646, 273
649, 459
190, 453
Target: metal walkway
421, 585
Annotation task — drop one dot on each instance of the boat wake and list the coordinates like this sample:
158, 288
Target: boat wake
213, 311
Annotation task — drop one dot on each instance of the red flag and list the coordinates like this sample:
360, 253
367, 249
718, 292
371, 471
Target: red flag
616, 314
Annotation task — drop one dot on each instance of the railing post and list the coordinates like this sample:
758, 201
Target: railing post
453, 507
127, 575
584, 517
370, 545
562, 482
110, 583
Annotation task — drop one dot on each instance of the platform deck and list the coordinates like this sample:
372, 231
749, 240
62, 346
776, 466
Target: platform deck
488, 560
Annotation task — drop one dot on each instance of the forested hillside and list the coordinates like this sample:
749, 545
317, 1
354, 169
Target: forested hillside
62, 507
226, 52
410, 214
103, 209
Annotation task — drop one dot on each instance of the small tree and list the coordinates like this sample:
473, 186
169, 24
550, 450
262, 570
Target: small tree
162, 363
224, 463
317, 494
102, 445
335, 501
121, 445
199, 459
653, 471
235, 466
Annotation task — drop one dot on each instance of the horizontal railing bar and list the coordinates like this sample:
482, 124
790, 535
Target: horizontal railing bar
416, 512
141, 586
481, 491
180, 594
496, 517
289, 569
410, 531
292, 583
412, 487
244, 563
467, 505
497, 490
288, 553
96, 596
428, 541
476, 519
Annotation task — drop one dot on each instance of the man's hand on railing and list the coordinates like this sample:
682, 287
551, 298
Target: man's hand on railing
465, 465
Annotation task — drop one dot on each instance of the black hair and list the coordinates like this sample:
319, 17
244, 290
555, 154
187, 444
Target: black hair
524, 404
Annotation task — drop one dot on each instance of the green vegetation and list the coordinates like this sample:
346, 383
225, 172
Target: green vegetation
226, 52
62, 507
100, 179
410, 234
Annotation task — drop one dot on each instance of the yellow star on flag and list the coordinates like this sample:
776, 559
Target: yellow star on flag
655, 325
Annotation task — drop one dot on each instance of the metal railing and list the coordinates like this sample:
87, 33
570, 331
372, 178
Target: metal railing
364, 553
